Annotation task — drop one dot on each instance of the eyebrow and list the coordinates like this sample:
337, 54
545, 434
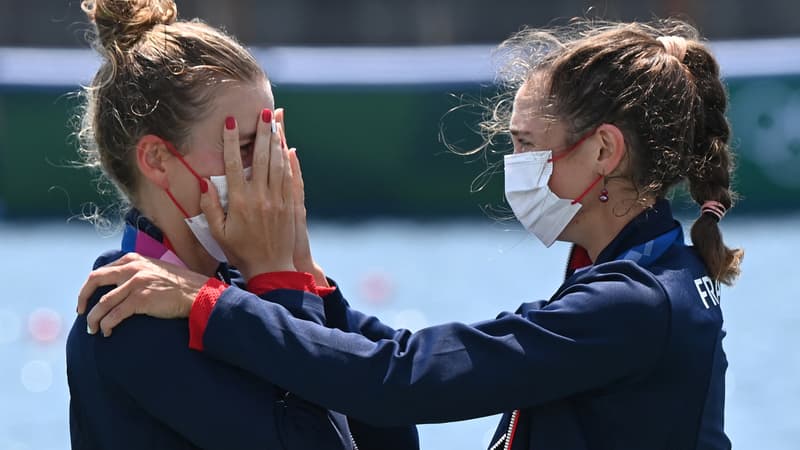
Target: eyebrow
517, 132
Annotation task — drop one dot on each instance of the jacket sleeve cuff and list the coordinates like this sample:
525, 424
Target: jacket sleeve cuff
266, 282
325, 291
201, 310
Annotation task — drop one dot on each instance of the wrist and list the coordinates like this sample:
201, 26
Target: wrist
267, 282
192, 289
304, 264
309, 266
200, 310
319, 276
252, 271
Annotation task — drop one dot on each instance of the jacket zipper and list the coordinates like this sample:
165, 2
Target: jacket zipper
508, 438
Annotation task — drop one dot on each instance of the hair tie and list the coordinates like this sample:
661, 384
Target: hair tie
674, 45
714, 208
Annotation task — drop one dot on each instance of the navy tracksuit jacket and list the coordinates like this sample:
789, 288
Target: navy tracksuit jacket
143, 388
626, 354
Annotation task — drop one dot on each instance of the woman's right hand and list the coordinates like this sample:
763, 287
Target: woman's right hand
258, 231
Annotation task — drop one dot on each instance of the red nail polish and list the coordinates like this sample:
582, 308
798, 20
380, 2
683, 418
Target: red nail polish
203, 186
230, 123
266, 115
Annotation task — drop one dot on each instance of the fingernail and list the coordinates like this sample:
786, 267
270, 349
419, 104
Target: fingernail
230, 123
203, 186
266, 115
89, 329
274, 126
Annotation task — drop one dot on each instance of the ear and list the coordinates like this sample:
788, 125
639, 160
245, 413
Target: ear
151, 153
612, 148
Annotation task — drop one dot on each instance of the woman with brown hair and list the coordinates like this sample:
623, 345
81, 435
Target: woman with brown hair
153, 123
626, 354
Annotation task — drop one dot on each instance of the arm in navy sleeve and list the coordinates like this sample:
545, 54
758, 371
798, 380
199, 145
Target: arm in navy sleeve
339, 314
606, 329
337, 311
276, 287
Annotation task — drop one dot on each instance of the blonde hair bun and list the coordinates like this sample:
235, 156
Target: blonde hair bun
121, 23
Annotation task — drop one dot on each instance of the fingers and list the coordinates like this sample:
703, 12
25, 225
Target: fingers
288, 178
277, 164
298, 187
280, 117
262, 148
120, 312
110, 274
233, 158
107, 302
88, 288
115, 317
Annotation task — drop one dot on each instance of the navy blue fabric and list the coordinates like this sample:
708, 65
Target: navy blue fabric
143, 388
622, 356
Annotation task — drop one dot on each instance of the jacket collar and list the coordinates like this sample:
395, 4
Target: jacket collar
145, 238
648, 225
139, 222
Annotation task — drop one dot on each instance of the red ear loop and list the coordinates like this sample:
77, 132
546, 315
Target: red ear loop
172, 197
201, 181
572, 147
591, 186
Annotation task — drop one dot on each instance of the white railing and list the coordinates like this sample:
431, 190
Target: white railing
375, 65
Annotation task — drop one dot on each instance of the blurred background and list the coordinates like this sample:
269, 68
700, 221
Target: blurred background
369, 88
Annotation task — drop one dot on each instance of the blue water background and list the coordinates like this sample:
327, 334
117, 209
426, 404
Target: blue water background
410, 274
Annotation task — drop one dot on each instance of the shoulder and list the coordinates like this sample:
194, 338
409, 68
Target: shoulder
107, 257
617, 282
136, 335
616, 310
617, 292
78, 333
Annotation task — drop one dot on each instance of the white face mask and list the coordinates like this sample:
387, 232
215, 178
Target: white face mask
221, 183
539, 210
199, 224
199, 227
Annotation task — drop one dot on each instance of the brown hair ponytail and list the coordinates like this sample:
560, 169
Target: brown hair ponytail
660, 86
711, 164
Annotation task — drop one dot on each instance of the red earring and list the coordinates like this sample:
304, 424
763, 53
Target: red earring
604, 193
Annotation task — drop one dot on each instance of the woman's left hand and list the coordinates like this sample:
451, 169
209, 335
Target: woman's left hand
143, 286
257, 232
303, 261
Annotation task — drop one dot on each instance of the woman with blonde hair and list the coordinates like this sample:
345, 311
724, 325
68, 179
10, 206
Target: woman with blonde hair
169, 98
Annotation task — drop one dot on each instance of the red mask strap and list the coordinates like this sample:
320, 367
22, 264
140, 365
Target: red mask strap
172, 197
174, 151
591, 186
572, 147
202, 182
